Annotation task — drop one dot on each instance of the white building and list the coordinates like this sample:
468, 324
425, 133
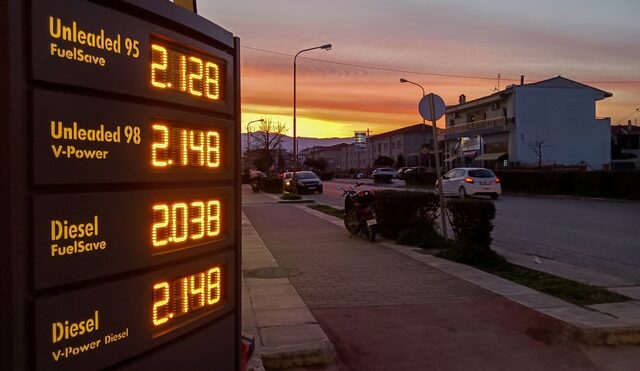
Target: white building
558, 116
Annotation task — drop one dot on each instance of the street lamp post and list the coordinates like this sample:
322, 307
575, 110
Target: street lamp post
424, 139
249, 131
295, 137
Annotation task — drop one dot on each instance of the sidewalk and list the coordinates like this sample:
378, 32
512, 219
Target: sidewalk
384, 310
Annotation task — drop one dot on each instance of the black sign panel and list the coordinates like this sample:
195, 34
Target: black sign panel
83, 236
79, 140
96, 327
80, 43
119, 124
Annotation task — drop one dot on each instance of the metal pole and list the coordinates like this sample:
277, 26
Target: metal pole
295, 138
443, 209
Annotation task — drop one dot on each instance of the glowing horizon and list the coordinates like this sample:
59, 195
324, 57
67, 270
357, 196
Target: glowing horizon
585, 41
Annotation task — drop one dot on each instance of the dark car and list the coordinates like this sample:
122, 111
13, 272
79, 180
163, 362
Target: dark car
303, 181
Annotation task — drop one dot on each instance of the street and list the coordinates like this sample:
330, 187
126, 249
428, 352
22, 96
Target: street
596, 235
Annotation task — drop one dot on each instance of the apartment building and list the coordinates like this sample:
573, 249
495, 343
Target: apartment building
549, 122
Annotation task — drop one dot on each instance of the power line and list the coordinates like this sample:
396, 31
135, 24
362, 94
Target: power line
388, 69
637, 110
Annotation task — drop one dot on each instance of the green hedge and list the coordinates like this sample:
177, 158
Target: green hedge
325, 175
272, 185
603, 184
379, 178
401, 210
420, 179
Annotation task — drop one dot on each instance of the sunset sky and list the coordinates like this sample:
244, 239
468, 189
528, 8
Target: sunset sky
590, 41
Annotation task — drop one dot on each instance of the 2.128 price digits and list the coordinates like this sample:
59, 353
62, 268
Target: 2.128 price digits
184, 147
181, 221
189, 73
184, 295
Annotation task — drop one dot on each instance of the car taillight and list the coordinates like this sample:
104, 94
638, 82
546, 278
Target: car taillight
497, 180
468, 180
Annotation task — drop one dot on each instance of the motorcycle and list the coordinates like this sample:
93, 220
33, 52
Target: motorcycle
359, 211
255, 180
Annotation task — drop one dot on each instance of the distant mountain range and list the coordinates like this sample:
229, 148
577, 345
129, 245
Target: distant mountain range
303, 142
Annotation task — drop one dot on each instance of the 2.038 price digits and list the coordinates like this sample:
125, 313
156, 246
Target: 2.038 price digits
181, 221
184, 147
187, 294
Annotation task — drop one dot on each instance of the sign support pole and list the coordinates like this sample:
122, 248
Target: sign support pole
443, 209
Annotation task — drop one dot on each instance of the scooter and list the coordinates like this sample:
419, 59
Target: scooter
359, 211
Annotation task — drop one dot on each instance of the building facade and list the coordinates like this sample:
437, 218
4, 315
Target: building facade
547, 122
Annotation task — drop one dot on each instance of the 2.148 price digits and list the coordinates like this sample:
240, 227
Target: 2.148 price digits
200, 148
186, 294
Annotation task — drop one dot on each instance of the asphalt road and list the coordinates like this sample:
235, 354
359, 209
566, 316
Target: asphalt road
598, 235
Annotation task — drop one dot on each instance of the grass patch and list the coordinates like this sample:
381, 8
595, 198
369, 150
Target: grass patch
565, 289
338, 213
290, 196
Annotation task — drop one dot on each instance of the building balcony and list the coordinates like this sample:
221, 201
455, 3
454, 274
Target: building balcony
499, 123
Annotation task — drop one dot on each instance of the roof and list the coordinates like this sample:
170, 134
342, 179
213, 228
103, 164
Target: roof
413, 129
557, 82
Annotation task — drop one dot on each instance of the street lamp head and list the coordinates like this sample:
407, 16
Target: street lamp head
326, 47
403, 81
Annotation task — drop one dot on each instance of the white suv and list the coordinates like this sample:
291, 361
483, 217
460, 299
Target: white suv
471, 181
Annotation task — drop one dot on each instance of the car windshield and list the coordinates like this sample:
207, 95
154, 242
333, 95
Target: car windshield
481, 173
306, 175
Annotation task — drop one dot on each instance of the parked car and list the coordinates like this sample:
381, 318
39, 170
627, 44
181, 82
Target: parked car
302, 181
400, 173
384, 171
471, 181
415, 169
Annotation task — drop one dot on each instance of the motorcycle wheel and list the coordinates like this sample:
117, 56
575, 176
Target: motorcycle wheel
352, 222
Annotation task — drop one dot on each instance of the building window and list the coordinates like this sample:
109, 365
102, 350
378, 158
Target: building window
471, 117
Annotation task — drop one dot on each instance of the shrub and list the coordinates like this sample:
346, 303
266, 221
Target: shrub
400, 210
290, 196
471, 221
606, 184
325, 175
382, 178
423, 235
420, 178
272, 185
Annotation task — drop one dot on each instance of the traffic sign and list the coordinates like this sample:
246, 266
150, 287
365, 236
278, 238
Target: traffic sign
425, 107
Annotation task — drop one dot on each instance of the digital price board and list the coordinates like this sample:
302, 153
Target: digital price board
119, 124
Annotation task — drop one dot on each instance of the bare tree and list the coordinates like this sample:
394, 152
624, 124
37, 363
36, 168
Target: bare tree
537, 146
269, 135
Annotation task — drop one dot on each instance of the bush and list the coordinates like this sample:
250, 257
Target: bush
290, 196
325, 175
471, 222
382, 178
605, 184
422, 235
420, 178
272, 185
400, 210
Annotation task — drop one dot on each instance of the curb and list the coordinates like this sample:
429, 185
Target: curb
303, 201
301, 355
282, 341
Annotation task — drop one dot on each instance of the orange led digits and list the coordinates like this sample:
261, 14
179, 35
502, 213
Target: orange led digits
175, 146
160, 303
173, 224
186, 295
184, 72
158, 63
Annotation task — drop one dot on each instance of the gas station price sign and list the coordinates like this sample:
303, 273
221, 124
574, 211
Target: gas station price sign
123, 190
